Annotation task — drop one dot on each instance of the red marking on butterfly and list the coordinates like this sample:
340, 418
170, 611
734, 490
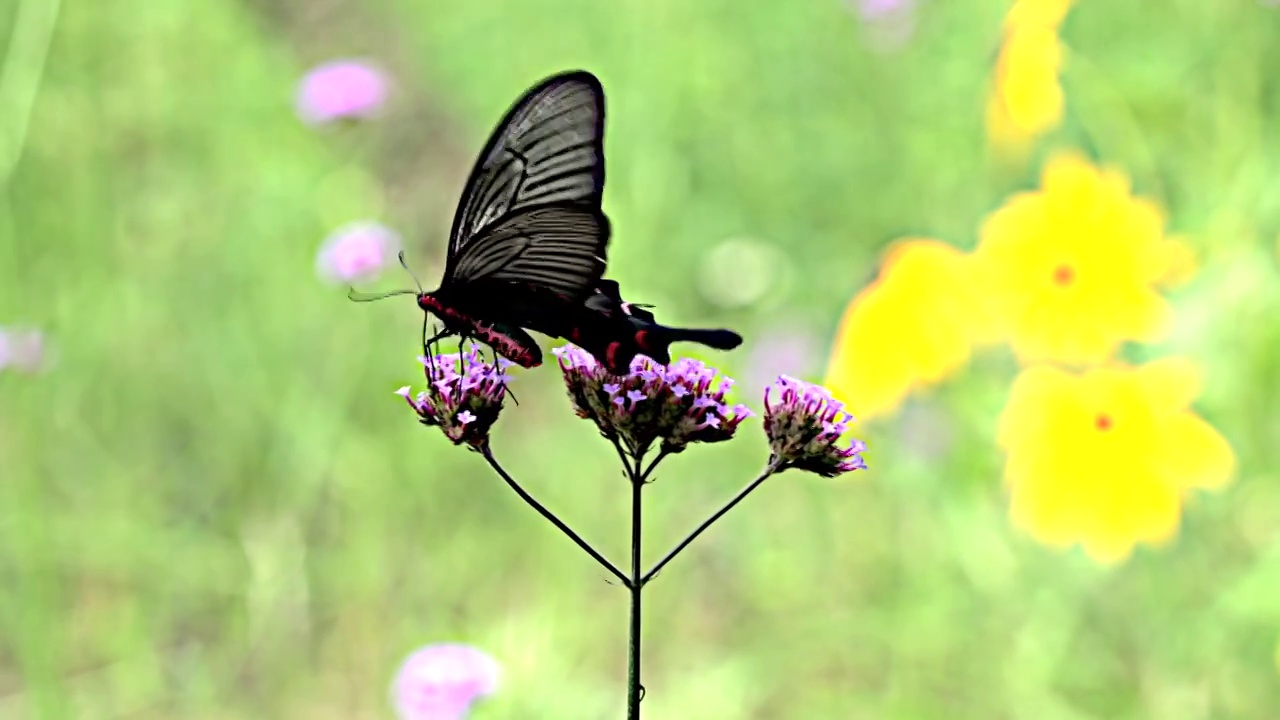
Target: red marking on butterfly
611, 354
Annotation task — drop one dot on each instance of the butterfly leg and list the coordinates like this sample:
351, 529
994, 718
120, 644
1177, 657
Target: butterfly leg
428, 342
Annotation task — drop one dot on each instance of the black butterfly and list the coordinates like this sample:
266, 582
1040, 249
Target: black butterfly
529, 241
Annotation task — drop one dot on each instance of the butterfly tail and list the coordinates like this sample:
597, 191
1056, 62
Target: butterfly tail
717, 339
655, 340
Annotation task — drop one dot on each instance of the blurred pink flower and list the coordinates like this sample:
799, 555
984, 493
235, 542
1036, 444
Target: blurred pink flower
23, 350
925, 431
439, 682
785, 348
889, 23
357, 251
341, 90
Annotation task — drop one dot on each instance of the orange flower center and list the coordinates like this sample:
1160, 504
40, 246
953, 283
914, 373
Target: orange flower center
1063, 275
1103, 422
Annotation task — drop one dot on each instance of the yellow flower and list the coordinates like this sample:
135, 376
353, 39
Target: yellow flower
1072, 269
1026, 98
1106, 458
915, 325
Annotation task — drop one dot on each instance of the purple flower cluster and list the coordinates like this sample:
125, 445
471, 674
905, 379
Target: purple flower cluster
803, 424
440, 682
463, 397
678, 404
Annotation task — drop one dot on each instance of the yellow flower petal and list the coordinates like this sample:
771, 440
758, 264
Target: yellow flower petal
1103, 459
867, 367
1169, 385
1196, 455
1033, 389
1026, 98
913, 327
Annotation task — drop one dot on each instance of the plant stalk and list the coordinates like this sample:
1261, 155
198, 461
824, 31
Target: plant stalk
604, 562
640, 581
635, 690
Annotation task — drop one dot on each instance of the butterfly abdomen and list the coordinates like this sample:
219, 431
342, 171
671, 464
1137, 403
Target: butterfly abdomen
507, 340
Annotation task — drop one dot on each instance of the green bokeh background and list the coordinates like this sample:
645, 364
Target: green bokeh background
212, 506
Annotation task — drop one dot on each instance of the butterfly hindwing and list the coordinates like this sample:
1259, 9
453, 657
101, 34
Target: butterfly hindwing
548, 149
561, 248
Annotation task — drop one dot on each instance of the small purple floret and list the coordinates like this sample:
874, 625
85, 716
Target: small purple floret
803, 424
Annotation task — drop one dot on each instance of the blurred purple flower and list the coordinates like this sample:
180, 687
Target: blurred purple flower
680, 403
803, 425
356, 251
341, 90
787, 348
23, 350
440, 682
925, 431
889, 23
463, 397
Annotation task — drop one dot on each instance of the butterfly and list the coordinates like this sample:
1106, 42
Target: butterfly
529, 241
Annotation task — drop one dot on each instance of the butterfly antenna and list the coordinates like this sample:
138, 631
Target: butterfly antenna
353, 294
405, 265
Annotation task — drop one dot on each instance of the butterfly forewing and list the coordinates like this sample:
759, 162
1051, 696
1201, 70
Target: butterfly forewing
561, 248
548, 149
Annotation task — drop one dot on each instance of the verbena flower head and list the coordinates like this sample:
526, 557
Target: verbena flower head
804, 424
440, 682
678, 404
463, 397
356, 251
341, 90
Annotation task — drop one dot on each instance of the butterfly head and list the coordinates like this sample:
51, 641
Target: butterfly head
429, 302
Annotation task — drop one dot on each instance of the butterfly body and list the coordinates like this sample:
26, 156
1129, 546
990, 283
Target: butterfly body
611, 329
506, 339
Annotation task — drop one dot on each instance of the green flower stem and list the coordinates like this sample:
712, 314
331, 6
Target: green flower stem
635, 689
771, 469
604, 562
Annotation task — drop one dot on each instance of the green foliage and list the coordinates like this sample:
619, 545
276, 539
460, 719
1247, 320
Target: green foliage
214, 507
